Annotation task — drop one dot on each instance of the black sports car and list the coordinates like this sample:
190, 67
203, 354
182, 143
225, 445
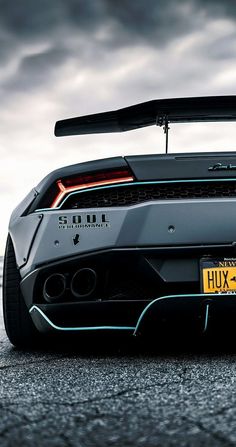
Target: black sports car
130, 244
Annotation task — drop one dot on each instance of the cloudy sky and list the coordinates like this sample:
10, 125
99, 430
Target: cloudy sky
63, 58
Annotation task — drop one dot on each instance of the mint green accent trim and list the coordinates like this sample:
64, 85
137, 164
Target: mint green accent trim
128, 328
173, 296
206, 317
88, 328
122, 185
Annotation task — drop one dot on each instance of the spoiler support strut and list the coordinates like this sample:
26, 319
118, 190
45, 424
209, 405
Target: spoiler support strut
166, 132
163, 121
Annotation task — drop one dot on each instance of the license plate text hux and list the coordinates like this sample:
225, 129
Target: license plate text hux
218, 275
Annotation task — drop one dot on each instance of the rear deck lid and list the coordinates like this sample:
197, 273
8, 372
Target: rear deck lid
183, 166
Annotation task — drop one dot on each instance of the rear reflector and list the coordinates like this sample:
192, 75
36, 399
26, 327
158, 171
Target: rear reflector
67, 186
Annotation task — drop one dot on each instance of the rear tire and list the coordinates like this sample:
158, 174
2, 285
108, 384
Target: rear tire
18, 324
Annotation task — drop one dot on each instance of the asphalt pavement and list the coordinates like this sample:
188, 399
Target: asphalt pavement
123, 396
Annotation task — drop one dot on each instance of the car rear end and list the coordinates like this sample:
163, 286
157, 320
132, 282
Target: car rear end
131, 244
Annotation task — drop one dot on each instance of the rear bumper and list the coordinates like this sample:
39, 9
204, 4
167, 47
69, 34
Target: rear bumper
167, 223
138, 291
174, 315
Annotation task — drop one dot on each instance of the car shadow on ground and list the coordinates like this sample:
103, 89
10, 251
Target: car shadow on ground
111, 346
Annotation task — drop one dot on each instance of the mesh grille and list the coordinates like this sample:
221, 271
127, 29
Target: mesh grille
131, 195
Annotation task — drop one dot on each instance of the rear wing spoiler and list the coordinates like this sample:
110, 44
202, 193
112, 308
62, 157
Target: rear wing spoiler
158, 112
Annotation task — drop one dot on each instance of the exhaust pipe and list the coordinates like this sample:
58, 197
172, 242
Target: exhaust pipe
83, 283
54, 287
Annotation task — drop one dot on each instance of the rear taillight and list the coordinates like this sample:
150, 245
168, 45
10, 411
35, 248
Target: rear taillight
68, 185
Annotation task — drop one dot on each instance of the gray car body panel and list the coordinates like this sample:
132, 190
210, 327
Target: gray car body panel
23, 231
152, 224
22, 228
23, 205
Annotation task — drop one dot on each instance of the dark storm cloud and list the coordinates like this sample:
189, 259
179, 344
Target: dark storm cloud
54, 22
139, 18
35, 69
222, 48
70, 29
30, 18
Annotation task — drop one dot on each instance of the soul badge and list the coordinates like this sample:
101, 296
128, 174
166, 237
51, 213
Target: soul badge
85, 221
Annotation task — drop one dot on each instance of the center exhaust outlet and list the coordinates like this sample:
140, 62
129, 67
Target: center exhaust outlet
83, 283
54, 287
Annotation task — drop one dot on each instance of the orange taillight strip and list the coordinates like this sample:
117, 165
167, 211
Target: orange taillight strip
64, 190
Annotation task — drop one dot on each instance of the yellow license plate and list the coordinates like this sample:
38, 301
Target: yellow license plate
218, 276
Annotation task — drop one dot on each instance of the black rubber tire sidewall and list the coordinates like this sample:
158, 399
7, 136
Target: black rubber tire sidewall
18, 323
